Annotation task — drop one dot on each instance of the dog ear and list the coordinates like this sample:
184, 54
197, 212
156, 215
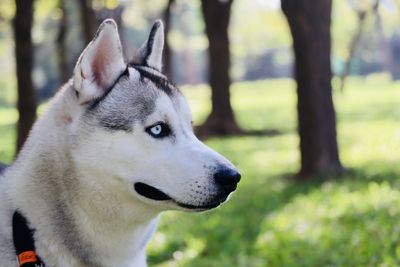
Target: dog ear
100, 64
150, 53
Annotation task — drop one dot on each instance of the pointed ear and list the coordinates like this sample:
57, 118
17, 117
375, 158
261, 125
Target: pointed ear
150, 53
100, 64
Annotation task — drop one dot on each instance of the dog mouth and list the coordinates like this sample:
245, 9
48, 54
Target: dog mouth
153, 193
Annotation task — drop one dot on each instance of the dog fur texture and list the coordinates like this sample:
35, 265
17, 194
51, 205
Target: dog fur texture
113, 150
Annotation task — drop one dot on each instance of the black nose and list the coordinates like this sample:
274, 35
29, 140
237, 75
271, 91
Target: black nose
227, 178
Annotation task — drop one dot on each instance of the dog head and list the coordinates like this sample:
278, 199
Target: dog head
134, 130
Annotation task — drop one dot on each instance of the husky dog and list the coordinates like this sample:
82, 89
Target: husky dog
114, 149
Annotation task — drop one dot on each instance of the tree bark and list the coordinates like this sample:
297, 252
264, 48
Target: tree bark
221, 121
27, 102
88, 20
64, 71
167, 49
310, 27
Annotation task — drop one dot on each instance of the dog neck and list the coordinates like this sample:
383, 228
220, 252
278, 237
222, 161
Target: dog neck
92, 226
114, 226
118, 226
89, 227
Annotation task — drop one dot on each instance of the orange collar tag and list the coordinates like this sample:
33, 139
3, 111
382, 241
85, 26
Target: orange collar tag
27, 256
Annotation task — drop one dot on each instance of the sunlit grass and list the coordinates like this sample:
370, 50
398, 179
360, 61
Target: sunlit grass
8, 118
351, 221
270, 221
258, 105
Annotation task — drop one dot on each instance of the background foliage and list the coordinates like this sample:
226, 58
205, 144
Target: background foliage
270, 221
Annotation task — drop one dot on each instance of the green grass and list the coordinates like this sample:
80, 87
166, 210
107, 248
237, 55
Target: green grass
8, 118
353, 220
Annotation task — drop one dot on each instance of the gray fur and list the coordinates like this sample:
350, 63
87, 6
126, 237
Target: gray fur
126, 103
59, 194
158, 79
2, 167
74, 180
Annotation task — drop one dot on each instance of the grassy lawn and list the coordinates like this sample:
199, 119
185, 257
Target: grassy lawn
349, 221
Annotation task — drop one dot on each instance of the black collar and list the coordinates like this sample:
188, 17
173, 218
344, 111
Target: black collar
23, 242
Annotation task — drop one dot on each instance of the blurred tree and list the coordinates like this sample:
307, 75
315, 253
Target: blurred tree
27, 102
61, 45
167, 47
310, 28
361, 15
363, 9
88, 19
389, 57
111, 9
221, 121
394, 50
113, 12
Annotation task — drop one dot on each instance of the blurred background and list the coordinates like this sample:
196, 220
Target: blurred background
303, 96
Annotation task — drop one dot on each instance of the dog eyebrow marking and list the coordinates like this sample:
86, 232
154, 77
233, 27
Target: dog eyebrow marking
123, 106
156, 77
116, 124
117, 121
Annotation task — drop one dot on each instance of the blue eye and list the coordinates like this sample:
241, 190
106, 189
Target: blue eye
159, 130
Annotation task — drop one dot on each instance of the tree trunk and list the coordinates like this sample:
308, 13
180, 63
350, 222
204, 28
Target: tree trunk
221, 121
64, 71
362, 15
388, 60
24, 63
115, 14
310, 28
394, 53
88, 20
167, 49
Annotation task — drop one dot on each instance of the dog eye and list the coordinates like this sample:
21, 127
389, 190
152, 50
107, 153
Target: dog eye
159, 130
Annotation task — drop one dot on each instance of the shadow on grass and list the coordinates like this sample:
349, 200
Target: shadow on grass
233, 229
340, 241
230, 233
360, 230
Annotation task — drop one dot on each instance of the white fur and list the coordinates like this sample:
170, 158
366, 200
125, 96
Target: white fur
69, 164
117, 225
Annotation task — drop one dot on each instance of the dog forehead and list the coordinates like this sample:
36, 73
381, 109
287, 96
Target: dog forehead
133, 99
127, 103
